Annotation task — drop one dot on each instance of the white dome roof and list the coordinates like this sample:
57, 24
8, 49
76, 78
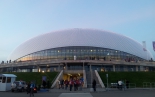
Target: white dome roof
80, 37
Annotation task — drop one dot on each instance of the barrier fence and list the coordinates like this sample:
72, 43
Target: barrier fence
124, 86
148, 84
131, 85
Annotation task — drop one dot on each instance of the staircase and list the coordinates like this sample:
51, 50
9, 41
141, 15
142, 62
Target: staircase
88, 77
55, 80
90, 80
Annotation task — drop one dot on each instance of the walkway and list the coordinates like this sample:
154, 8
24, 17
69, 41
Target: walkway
85, 90
111, 93
75, 95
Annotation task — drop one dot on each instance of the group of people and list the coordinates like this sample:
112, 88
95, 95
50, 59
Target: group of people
123, 84
131, 59
76, 83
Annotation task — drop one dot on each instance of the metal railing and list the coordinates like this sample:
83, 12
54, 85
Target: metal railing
115, 85
57, 78
132, 85
37, 62
85, 80
153, 84
148, 84
99, 79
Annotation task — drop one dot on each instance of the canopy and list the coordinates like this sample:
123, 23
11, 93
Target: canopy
8, 75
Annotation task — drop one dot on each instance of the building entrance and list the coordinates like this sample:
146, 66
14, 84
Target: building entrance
73, 71
74, 76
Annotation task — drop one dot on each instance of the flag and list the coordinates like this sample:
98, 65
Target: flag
153, 45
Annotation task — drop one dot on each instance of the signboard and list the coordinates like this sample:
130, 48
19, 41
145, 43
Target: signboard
74, 57
107, 75
153, 45
44, 78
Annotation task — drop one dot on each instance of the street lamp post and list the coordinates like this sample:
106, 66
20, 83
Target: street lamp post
107, 80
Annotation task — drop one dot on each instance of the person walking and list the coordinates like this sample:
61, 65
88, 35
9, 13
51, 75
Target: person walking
59, 84
62, 84
66, 84
44, 84
80, 85
127, 84
28, 87
94, 85
75, 85
31, 89
120, 84
71, 84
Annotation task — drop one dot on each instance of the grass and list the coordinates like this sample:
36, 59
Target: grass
34, 76
133, 77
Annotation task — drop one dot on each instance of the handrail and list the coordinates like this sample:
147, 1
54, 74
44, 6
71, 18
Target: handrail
99, 79
148, 84
57, 79
132, 85
84, 77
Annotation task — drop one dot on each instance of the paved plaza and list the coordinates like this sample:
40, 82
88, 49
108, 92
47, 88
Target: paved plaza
111, 93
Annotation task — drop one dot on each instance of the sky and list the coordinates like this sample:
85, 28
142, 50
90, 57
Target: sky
21, 20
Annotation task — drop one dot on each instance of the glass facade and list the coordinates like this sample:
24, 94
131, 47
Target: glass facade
81, 53
102, 68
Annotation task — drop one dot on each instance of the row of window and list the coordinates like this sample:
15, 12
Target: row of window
81, 53
74, 67
5, 80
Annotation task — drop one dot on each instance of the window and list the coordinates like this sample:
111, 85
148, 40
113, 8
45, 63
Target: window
8, 79
4, 80
0, 79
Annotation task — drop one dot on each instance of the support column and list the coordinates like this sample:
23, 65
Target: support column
90, 67
59, 67
46, 68
114, 68
91, 75
11, 67
141, 68
66, 66
125, 68
83, 65
136, 68
38, 68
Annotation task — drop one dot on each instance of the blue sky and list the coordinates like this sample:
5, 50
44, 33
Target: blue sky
21, 20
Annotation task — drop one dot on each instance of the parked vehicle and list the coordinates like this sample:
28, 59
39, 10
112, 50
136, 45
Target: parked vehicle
18, 86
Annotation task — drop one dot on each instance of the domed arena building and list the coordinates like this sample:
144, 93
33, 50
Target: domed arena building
82, 43
79, 49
